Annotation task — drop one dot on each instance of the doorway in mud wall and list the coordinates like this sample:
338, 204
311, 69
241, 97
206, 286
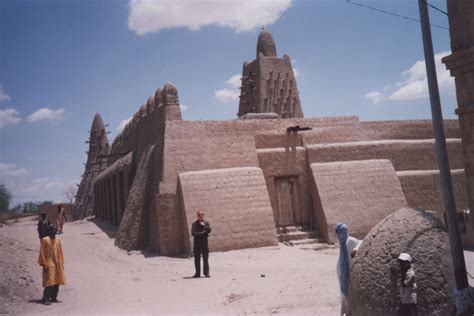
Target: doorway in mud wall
288, 201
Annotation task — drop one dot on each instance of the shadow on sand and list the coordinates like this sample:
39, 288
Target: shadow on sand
148, 253
111, 230
107, 227
38, 301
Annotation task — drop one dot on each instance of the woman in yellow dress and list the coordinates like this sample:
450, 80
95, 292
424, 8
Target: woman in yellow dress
52, 260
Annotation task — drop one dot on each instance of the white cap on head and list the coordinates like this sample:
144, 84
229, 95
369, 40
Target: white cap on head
404, 257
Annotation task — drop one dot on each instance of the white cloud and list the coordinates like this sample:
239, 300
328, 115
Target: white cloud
124, 123
416, 86
3, 95
242, 15
26, 188
46, 114
47, 183
375, 97
415, 90
40, 189
34, 186
183, 107
10, 170
231, 93
234, 81
226, 95
295, 71
9, 117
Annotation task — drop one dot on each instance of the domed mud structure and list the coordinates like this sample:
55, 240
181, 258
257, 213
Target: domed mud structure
375, 273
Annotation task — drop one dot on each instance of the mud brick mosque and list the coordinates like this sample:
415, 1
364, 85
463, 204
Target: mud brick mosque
269, 175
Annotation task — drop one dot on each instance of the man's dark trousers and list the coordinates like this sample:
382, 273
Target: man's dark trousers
201, 247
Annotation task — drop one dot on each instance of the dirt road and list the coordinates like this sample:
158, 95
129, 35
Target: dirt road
103, 279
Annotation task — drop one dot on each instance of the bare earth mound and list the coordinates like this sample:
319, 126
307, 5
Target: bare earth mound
17, 285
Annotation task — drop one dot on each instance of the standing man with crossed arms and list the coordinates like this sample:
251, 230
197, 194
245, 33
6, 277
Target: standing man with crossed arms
200, 229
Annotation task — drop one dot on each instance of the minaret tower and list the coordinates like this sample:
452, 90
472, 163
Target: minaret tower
269, 83
96, 163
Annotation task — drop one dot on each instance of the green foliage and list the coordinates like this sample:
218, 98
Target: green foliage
29, 207
17, 209
5, 198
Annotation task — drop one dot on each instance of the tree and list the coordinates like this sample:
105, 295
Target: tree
46, 203
70, 193
5, 198
30, 207
17, 209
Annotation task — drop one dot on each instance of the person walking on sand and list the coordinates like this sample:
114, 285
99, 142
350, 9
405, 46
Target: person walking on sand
43, 225
407, 286
52, 260
200, 230
348, 247
60, 219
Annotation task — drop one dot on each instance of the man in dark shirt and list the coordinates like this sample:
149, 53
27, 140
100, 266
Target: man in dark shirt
200, 230
43, 226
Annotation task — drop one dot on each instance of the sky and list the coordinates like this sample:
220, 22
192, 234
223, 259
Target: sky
63, 61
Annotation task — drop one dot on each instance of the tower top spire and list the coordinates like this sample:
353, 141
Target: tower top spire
266, 44
97, 123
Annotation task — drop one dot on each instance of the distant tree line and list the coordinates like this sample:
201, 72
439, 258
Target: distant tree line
5, 199
21, 208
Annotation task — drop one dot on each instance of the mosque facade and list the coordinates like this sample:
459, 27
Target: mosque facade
269, 175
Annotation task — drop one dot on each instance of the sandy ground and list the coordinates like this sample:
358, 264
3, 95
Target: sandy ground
103, 279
